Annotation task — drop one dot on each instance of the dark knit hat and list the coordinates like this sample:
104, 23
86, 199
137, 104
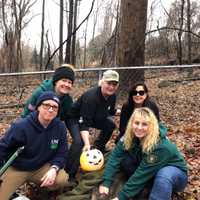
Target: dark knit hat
47, 95
63, 72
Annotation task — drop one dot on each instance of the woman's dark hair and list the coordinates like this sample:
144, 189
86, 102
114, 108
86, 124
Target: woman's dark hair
133, 88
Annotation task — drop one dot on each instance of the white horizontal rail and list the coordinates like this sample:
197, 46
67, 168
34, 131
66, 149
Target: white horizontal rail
105, 68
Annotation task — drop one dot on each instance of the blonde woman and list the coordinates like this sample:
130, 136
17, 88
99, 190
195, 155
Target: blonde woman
158, 160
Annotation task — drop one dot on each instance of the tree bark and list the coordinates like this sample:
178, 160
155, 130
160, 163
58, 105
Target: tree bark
68, 45
73, 56
180, 52
189, 30
131, 39
42, 35
61, 33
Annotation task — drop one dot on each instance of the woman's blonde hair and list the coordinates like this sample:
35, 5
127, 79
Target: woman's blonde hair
152, 137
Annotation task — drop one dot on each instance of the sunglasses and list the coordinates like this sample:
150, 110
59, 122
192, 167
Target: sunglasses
141, 93
47, 106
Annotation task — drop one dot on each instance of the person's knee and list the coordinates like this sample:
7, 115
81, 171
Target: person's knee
61, 179
166, 173
162, 188
109, 125
163, 178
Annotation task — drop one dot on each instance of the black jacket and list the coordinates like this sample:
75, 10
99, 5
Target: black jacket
92, 108
127, 110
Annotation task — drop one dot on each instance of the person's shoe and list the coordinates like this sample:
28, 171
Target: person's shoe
16, 196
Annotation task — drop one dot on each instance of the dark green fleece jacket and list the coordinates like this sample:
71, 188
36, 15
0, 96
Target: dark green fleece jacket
164, 154
47, 85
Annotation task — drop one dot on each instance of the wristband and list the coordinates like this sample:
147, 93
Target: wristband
55, 167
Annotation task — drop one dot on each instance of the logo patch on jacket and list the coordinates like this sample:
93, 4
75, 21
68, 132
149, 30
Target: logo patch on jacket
152, 158
54, 144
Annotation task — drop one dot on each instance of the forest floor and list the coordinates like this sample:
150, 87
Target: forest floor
179, 103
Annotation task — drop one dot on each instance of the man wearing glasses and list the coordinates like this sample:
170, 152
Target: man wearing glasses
43, 136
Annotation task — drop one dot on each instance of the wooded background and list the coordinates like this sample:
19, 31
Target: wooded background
122, 33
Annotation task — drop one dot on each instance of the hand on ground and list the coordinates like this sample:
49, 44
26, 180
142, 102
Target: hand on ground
103, 190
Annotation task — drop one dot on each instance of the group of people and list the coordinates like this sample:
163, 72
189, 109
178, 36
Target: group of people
143, 152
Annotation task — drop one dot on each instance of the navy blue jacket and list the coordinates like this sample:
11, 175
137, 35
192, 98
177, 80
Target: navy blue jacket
42, 145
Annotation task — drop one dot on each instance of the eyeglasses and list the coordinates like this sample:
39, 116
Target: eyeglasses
47, 106
135, 93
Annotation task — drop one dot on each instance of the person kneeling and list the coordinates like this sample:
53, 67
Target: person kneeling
43, 136
145, 154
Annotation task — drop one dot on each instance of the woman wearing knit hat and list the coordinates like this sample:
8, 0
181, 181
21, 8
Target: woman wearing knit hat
61, 83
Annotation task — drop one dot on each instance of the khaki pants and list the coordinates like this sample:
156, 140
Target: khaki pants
13, 178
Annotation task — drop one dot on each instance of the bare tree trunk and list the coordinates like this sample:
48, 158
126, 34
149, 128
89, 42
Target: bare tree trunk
95, 21
18, 29
109, 52
131, 41
68, 46
179, 53
73, 56
42, 35
85, 43
9, 44
61, 33
189, 34
50, 66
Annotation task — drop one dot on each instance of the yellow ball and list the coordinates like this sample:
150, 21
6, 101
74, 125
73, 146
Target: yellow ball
91, 160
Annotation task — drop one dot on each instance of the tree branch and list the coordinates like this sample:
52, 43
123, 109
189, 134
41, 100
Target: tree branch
170, 28
52, 55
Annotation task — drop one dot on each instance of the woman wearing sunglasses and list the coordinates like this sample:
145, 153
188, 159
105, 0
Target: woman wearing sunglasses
138, 97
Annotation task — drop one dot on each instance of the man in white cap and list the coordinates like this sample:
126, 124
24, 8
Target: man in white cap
92, 109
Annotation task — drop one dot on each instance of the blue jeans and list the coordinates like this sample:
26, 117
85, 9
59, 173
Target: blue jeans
168, 179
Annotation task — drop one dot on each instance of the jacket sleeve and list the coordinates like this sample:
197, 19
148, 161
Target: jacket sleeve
60, 158
87, 112
113, 164
147, 169
124, 117
31, 102
12, 139
152, 105
112, 110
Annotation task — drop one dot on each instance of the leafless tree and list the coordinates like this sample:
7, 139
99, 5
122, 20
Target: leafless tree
69, 31
61, 33
73, 54
14, 20
85, 44
180, 32
189, 57
42, 35
131, 40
